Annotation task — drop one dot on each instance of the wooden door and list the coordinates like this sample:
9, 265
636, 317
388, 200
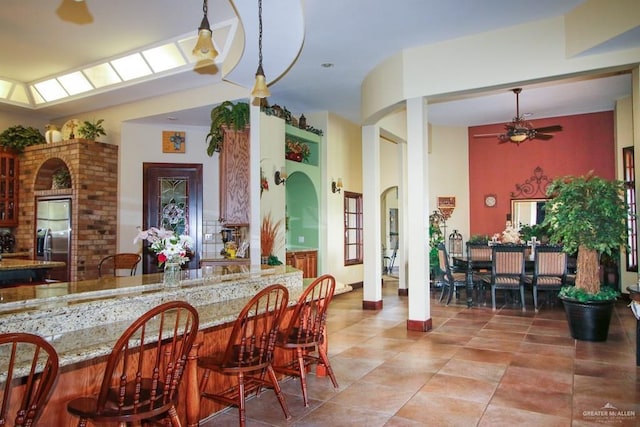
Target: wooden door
172, 199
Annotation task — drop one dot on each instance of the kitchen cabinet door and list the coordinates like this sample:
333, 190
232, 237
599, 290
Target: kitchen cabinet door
235, 178
8, 189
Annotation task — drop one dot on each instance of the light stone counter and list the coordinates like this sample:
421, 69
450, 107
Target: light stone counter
83, 320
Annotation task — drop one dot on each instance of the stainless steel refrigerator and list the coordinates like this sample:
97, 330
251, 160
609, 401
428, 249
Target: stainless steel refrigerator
53, 234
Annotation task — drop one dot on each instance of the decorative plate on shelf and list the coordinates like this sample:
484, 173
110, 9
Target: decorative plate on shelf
70, 128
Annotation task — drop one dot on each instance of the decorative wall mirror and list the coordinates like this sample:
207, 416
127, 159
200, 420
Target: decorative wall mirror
527, 211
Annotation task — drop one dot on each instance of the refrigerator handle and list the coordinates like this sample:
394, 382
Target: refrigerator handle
47, 246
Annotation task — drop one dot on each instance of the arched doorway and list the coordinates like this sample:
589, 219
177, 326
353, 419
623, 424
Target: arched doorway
389, 229
302, 212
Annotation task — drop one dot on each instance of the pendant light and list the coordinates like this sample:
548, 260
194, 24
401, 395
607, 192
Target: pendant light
204, 48
260, 89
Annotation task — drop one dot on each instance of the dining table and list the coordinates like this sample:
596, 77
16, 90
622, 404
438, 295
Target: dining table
483, 266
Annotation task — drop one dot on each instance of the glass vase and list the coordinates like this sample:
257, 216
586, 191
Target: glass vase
171, 275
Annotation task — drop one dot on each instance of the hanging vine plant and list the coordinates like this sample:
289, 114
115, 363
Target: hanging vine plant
230, 115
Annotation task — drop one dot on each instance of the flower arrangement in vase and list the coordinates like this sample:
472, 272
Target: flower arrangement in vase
170, 249
297, 151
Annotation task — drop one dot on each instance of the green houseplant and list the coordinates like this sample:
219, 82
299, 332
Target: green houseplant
230, 115
587, 215
18, 137
91, 129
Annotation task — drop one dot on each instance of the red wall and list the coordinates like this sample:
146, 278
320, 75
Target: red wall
585, 143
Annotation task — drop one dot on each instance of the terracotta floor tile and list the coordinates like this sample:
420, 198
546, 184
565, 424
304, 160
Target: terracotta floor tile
460, 388
550, 350
475, 367
545, 362
488, 372
540, 379
497, 416
487, 356
544, 402
433, 410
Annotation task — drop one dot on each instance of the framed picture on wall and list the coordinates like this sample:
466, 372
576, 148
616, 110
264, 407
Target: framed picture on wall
173, 141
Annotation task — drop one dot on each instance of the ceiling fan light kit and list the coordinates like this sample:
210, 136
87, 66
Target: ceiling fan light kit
519, 130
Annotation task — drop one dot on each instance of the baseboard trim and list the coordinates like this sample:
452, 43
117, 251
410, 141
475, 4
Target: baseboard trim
419, 325
372, 305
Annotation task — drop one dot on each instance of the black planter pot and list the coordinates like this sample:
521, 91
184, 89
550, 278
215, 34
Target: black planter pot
588, 321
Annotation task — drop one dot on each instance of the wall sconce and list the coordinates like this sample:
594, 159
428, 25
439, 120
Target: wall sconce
280, 176
336, 186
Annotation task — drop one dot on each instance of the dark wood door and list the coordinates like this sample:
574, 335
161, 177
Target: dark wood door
172, 195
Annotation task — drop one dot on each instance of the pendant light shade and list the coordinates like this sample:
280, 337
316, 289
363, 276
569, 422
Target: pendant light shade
204, 48
260, 89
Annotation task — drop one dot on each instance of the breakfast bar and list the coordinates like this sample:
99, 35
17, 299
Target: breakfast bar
83, 320
24, 270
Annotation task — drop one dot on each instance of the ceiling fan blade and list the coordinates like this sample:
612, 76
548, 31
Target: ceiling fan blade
486, 135
543, 136
555, 128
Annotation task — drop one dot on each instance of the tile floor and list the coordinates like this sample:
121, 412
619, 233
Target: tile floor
475, 368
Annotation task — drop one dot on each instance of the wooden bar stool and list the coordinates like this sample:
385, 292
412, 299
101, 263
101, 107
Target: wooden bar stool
249, 352
306, 332
144, 370
25, 391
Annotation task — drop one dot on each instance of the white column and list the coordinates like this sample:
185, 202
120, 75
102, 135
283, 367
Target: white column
418, 215
254, 190
403, 230
372, 289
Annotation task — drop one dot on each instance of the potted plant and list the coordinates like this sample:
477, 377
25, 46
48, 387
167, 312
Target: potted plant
61, 178
587, 215
91, 130
18, 137
268, 236
227, 114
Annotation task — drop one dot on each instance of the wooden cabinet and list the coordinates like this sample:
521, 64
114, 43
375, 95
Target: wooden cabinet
235, 178
307, 261
8, 189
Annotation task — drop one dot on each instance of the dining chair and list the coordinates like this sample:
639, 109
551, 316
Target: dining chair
451, 281
144, 370
305, 332
478, 265
248, 354
507, 271
549, 271
28, 371
110, 265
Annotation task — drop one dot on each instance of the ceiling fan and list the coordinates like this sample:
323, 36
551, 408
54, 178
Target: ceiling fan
519, 130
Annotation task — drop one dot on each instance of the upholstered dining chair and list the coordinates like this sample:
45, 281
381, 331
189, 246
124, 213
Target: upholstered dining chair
478, 265
507, 271
28, 371
144, 370
112, 264
248, 355
450, 280
305, 332
550, 271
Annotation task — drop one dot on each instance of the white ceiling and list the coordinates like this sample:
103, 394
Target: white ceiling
353, 35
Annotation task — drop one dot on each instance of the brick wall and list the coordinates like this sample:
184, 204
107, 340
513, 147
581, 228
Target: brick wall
94, 198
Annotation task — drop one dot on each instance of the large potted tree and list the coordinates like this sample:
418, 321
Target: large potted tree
587, 215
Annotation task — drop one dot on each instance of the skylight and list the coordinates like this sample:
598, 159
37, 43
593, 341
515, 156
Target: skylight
148, 63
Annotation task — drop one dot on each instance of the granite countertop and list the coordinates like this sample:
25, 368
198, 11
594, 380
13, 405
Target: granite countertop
16, 254
82, 320
27, 264
292, 249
